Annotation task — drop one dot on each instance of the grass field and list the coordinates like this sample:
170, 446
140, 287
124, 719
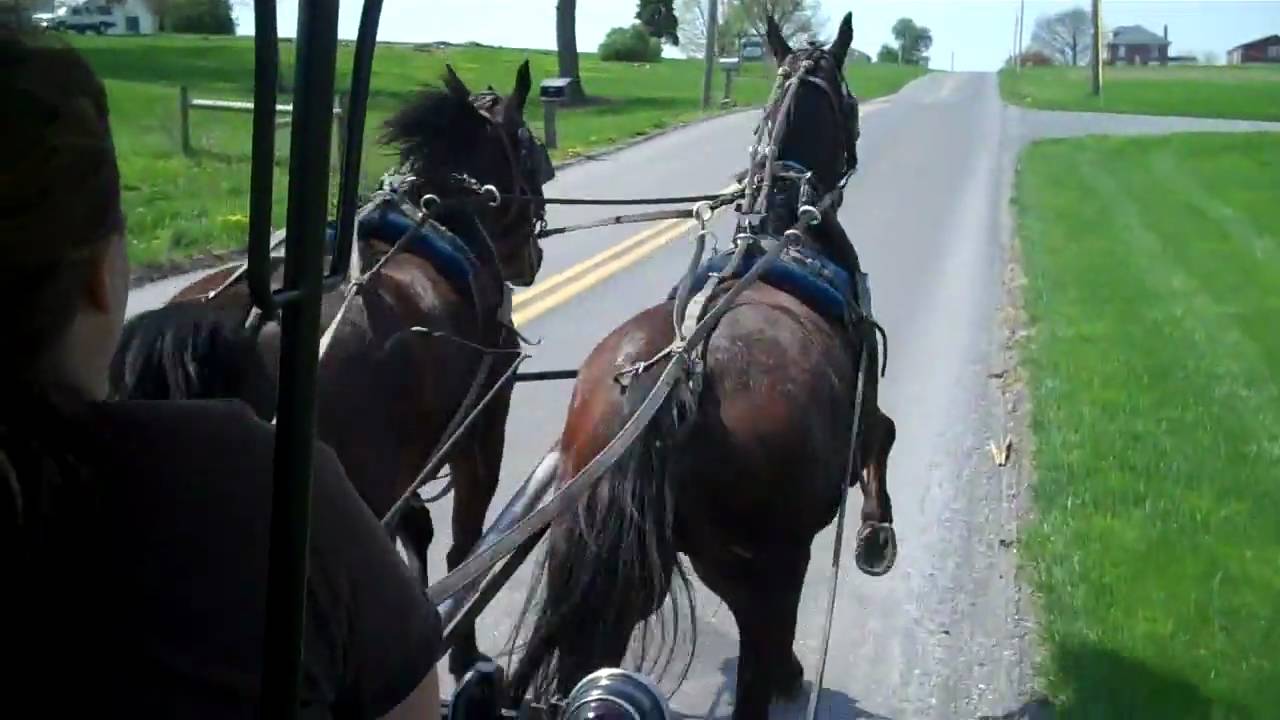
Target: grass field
179, 207
1249, 93
1153, 271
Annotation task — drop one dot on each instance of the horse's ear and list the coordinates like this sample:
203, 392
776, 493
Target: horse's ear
454, 84
777, 44
514, 107
840, 48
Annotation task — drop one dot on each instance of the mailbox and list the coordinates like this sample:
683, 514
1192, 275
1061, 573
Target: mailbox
555, 89
729, 64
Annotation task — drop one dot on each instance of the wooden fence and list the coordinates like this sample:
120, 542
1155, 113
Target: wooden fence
284, 113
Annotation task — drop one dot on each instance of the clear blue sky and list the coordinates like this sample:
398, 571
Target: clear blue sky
979, 32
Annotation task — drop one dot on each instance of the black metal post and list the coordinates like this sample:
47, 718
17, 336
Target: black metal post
317, 44
266, 64
354, 117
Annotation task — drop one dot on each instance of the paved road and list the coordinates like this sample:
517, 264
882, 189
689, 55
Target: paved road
944, 635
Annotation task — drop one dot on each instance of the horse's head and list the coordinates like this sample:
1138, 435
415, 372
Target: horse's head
813, 117
454, 141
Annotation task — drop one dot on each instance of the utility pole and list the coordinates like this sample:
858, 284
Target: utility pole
1013, 52
1097, 47
710, 70
1022, 27
953, 61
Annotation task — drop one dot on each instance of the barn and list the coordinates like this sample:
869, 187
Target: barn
108, 17
1262, 50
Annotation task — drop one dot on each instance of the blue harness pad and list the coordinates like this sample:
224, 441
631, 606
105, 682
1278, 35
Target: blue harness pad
801, 273
446, 252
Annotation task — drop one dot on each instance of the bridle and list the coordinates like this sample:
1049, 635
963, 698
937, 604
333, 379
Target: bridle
527, 163
522, 161
762, 169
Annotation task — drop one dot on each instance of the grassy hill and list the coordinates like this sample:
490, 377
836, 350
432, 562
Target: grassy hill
1244, 92
183, 206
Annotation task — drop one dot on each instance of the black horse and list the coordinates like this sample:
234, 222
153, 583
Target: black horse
745, 481
386, 393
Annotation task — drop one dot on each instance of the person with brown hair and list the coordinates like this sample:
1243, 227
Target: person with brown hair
133, 535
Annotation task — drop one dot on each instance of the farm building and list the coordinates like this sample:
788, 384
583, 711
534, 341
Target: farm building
1262, 50
1136, 45
108, 17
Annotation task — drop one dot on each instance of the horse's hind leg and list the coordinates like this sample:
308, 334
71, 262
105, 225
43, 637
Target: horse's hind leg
763, 592
476, 467
877, 442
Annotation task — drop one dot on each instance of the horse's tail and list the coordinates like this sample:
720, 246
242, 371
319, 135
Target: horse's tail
609, 566
188, 351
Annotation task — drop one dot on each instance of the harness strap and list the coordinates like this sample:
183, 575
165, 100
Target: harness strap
854, 465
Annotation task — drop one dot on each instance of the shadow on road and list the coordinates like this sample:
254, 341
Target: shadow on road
832, 705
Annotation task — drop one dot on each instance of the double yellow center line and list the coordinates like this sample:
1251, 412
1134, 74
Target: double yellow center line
564, 285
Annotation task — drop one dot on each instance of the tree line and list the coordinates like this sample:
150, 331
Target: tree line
684, 24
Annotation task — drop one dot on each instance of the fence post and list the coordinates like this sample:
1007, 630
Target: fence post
549, 122
184, 119
342, 101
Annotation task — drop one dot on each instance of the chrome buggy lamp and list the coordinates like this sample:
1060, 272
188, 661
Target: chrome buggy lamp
616, 694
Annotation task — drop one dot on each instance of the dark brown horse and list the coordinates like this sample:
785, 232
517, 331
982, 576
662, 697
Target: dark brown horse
386, 393
741, 483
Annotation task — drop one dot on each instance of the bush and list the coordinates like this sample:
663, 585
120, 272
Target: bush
630, 44
1036, 58
201, 17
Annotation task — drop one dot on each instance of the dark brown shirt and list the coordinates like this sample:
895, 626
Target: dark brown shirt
159, 603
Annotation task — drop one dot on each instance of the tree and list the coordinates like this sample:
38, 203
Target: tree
161, 9
692, 16
1210, 57
567, 47
1066, 36
630, 44
887, 54
914, 40
204, 17
15, 15
797, 19
659, 19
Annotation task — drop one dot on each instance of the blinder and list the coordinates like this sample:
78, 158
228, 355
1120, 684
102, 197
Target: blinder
853, 130
535, 161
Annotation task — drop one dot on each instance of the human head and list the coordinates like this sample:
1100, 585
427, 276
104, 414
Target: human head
63, 270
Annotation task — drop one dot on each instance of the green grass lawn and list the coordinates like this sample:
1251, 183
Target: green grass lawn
1249, 93
1153, 271
179, 207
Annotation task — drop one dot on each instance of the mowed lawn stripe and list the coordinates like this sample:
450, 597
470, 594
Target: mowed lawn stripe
1155, 372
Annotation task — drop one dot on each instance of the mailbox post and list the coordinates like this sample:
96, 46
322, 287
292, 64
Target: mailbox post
730, 66
552, 92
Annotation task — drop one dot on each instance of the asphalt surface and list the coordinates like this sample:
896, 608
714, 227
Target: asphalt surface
946, 633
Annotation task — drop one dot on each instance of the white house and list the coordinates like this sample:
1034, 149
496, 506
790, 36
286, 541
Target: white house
107, 17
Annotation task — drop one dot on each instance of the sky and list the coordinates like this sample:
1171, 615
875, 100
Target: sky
977, 35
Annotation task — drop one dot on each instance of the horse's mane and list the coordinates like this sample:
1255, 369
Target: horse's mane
438, 126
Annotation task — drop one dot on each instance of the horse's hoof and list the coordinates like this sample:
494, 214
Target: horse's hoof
479, 693
876, 549
789, 680
461, 663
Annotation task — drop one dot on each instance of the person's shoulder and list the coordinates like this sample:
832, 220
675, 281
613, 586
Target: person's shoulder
181, 423
166, 412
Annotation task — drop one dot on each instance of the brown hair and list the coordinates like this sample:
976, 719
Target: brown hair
59, 206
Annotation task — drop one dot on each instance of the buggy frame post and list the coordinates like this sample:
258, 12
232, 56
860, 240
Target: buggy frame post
266, 64
354, 113
299, 301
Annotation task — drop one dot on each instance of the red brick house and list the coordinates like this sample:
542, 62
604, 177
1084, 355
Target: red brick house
1262, 50
1136, 45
